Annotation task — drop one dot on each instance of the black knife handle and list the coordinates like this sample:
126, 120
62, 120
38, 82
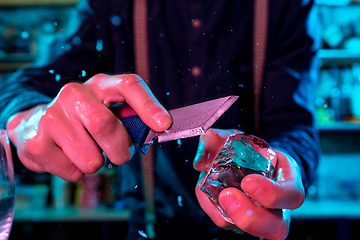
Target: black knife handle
138, 132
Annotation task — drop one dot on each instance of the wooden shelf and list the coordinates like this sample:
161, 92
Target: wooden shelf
20, 3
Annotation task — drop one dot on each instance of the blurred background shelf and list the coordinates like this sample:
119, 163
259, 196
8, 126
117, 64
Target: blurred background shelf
71, 214
338, 56
70, 223
338, 127
28, 26
5, 58
336, 3
335, 193
11, 62
328, 209
17, 3
311, 209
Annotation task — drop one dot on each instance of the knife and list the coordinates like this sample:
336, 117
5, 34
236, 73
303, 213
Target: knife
189, 121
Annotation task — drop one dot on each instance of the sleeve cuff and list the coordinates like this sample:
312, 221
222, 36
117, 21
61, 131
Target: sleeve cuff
20, 103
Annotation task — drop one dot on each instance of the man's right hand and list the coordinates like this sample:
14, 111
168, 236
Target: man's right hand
67, 136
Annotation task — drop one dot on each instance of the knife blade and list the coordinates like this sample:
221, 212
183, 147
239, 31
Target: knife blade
188, 121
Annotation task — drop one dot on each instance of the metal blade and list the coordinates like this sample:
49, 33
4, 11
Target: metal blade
193, 120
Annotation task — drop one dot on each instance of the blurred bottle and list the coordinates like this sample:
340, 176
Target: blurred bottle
20, 42
2, 46
61, 195
355, 95
2, 39
346, 90
323, 112
335, 91
333, 35
45, 35
108, 185
90, 192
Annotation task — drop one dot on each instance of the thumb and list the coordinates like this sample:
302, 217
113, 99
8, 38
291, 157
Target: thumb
210, 144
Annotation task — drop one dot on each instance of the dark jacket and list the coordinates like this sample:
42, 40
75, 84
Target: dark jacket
100, 40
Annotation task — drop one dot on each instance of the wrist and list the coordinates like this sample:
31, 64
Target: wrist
15, 120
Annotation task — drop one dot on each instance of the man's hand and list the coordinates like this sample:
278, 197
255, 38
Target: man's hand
266, 220
67, 136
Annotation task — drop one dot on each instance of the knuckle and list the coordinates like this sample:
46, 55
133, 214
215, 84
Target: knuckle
98, 78
48, 116
149, 104
73, 178
129, 80
70, 92
76, 178
29, 147
70, 89
93, 166
68, 172
133, 78
73, 174
102, 124
34, 148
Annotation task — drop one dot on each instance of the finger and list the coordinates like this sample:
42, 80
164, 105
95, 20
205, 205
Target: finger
59, 164
122, 110
28, 162
208, 206
287, 192
41, 154
107, 130
210, 143
133, 90
79, 147
36, 150
251, 217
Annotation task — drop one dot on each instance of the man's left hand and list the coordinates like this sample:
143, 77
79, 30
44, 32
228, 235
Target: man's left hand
267, 219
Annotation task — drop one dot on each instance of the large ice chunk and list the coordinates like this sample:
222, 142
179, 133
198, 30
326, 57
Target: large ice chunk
241, 155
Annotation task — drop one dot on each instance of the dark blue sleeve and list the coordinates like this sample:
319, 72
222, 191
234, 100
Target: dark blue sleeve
287, 102
75, 55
